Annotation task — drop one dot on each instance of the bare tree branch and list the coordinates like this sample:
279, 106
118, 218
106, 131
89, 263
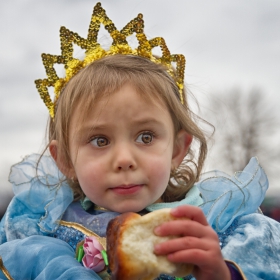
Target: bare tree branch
245, 125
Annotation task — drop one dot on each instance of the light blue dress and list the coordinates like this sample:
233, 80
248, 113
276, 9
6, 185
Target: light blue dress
35, 246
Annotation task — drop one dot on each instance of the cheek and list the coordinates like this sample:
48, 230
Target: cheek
88, 173
89, 181
160, 171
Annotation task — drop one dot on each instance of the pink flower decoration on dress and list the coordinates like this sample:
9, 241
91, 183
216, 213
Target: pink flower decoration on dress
93, 258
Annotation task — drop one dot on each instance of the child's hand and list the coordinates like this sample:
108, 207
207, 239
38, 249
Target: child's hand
198, 244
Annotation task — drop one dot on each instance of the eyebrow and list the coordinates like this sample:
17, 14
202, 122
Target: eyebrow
91, 128
87, 130
148, 121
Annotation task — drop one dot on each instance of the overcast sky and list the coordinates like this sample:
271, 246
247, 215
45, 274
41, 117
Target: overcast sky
226, 43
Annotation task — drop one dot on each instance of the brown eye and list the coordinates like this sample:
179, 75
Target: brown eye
146, 138
100, 141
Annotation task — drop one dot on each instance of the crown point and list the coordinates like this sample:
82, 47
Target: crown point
93, 51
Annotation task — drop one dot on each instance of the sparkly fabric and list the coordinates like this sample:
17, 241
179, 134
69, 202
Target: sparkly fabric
94, 51
29, 226
224, 235
93, 220
69, 235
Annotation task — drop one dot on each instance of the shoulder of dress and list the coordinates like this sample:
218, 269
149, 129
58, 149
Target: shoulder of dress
228, 197
40, 198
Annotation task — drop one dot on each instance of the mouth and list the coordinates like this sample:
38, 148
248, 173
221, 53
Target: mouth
127, 189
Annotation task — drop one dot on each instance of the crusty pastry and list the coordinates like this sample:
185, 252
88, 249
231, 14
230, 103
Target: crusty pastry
130, 247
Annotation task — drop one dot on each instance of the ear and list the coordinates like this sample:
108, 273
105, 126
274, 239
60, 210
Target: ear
53, 149
182, 143
60, 161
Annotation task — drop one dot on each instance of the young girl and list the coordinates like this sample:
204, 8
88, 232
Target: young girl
120, 137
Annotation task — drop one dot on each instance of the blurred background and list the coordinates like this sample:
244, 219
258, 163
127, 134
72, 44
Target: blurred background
232, 50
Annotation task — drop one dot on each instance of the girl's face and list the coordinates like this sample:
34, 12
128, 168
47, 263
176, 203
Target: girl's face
123, 153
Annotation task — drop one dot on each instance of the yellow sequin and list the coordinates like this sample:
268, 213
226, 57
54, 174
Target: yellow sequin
93, 51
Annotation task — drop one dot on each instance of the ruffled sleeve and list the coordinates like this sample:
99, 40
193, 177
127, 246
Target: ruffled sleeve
41, 198
42, 258
248, 238
228, 197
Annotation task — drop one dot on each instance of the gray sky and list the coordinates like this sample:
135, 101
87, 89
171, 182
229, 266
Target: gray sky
226, 43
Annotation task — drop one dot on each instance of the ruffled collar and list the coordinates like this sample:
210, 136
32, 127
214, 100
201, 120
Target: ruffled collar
192, 198
229, 197
41, 188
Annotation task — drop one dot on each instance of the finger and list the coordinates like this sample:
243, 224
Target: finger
185, 228
183, 243
191, 212
198, 257
194, 256
180, 228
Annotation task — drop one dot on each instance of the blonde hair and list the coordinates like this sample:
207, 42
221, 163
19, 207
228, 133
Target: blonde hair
151, 80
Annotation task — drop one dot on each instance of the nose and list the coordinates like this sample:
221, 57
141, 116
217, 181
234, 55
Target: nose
124, 158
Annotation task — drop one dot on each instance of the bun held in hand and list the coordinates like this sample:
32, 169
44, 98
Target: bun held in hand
130, 247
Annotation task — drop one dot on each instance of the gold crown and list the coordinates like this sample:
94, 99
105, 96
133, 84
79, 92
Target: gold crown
93, 51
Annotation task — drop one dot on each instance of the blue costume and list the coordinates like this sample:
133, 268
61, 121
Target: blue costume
42, 225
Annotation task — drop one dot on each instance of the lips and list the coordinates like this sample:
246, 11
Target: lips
126, 189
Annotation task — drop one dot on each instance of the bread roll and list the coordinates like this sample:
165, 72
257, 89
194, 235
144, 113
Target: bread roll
130, 247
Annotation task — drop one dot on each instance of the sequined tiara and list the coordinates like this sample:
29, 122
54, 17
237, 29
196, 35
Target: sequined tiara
93, 51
